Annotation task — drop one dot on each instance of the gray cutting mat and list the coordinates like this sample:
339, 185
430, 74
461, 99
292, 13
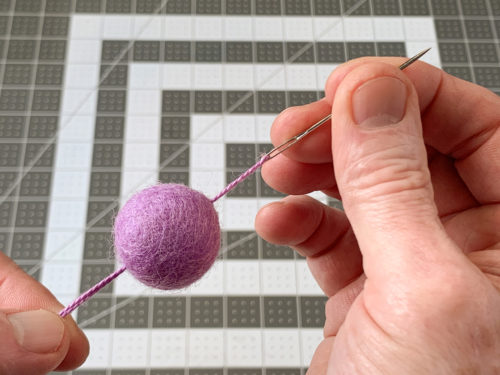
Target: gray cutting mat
101, 98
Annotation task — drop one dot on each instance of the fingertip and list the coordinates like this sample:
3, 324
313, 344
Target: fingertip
293, 177
279, 130
392, 81
79, 348
294, 120
21, 292
361, 73
340, 73
32, 341
337, 76
321, 357
265, 220
334, 79
290, 221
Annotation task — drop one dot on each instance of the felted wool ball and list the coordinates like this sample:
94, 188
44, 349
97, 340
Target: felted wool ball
167, 236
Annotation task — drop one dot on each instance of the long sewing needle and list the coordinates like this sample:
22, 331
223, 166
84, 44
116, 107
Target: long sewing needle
290, 142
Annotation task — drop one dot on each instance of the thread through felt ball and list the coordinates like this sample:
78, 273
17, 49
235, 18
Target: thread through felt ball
167, 236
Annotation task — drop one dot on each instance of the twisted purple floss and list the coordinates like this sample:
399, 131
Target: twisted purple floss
242, 177
167, 236
89, 293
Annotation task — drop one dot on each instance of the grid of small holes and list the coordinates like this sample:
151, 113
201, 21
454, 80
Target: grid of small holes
178, 104
176, 51
31, 75
197, 371
205, 312
175, 130
468, 40
272, 7
105, 178
247, 245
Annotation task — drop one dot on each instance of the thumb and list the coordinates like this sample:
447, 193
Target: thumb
32, 342
382, 174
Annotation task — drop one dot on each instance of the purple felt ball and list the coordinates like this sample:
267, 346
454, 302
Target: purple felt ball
167, 236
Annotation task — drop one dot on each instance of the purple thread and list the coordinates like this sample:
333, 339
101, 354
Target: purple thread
242, 177
89, 293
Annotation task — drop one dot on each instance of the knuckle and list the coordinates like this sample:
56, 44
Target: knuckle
385, 173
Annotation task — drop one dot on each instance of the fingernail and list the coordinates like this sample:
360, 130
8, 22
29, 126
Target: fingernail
37, 331
379, 102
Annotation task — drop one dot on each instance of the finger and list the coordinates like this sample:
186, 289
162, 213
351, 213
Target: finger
475, 229
292, 177
476, 232
319, 361
295, 120
488, 261
321, 233
33, 342
20, 292
413, 72
337, 306
450, 192
467, 131
303, 223
382, 174
460, 119
336, 268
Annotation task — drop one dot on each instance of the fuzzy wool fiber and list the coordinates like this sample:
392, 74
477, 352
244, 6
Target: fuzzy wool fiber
167, 236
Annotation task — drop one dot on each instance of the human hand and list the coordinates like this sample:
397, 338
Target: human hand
412, 269
33, 338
